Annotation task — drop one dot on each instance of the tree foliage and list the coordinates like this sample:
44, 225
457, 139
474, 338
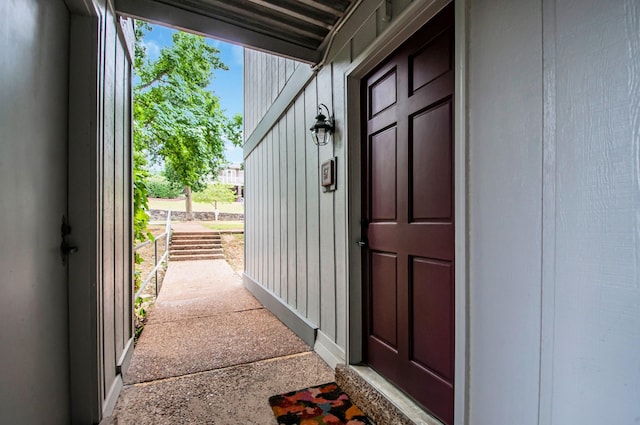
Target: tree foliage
178, 121
214, 193
159, 187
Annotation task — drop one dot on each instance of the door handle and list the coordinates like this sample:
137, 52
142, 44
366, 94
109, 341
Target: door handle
68, 249
361, 243
65, 248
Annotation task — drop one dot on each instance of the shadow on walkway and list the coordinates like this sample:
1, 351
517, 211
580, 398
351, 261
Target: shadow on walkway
211, 354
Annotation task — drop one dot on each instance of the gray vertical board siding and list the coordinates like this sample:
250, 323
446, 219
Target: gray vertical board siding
365, 36
381, 24
290, 67
279, 227
340, 65
254, 93
505, 237
285, 229
269, 210
34, 340
353, 26
282, 76
246, 70
248, 219
119, 199
275, 212
315, 240
258, 216
255, 240
108, 229
247, 93
258, 221
248, 211
263, 216
253, 207
257, 198
250, 232
327, 229
397, 7
291, 237
313, 209
300, 131
265, 87
275, 77
597, 200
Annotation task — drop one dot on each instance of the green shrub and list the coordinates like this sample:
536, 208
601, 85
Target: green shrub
159, 187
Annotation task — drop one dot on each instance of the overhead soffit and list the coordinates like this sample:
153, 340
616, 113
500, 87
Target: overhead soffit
294, 28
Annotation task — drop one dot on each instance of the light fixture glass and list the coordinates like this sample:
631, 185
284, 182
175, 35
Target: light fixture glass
323, 128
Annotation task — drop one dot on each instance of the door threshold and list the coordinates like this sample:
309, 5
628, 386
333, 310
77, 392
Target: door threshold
379, 398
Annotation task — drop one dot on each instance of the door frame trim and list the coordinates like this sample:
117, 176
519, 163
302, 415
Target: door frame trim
412, 19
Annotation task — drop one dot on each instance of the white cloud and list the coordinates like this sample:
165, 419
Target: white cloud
153, 49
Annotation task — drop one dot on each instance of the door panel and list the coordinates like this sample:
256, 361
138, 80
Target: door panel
384, 298
100, 274
409, 216
383, 171
431, 61
431, 295
431, 161
382, 93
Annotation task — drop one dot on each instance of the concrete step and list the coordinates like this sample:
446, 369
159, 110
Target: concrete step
176, 257
195, 251
196, 246
213, 232
190, 237
195, 232
376, 404
195, 241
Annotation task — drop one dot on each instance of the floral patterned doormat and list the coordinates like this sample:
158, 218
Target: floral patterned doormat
324, 404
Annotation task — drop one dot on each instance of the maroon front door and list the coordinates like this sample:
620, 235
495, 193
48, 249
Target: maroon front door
409, 259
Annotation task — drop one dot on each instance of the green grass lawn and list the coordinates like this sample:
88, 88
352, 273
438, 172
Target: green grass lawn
223, 225
179, 205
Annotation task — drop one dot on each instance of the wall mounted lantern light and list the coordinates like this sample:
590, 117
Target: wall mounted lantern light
323, 128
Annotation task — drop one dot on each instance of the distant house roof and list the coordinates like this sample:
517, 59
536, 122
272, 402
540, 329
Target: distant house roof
299, 29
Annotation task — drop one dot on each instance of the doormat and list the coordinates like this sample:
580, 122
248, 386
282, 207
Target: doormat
324, 404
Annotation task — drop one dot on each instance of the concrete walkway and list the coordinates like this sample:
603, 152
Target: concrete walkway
211, 354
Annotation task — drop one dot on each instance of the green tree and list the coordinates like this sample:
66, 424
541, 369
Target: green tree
177, 120
215, 193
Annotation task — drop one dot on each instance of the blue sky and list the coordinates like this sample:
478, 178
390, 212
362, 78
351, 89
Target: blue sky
227, 85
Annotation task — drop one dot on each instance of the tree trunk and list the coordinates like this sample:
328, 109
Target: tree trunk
188, 202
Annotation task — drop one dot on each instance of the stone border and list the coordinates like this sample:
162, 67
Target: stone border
161, 215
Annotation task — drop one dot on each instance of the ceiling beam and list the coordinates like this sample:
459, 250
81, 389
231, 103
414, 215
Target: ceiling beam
185, 20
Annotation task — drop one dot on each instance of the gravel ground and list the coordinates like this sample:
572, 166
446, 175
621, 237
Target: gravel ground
147, 265
233, 246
